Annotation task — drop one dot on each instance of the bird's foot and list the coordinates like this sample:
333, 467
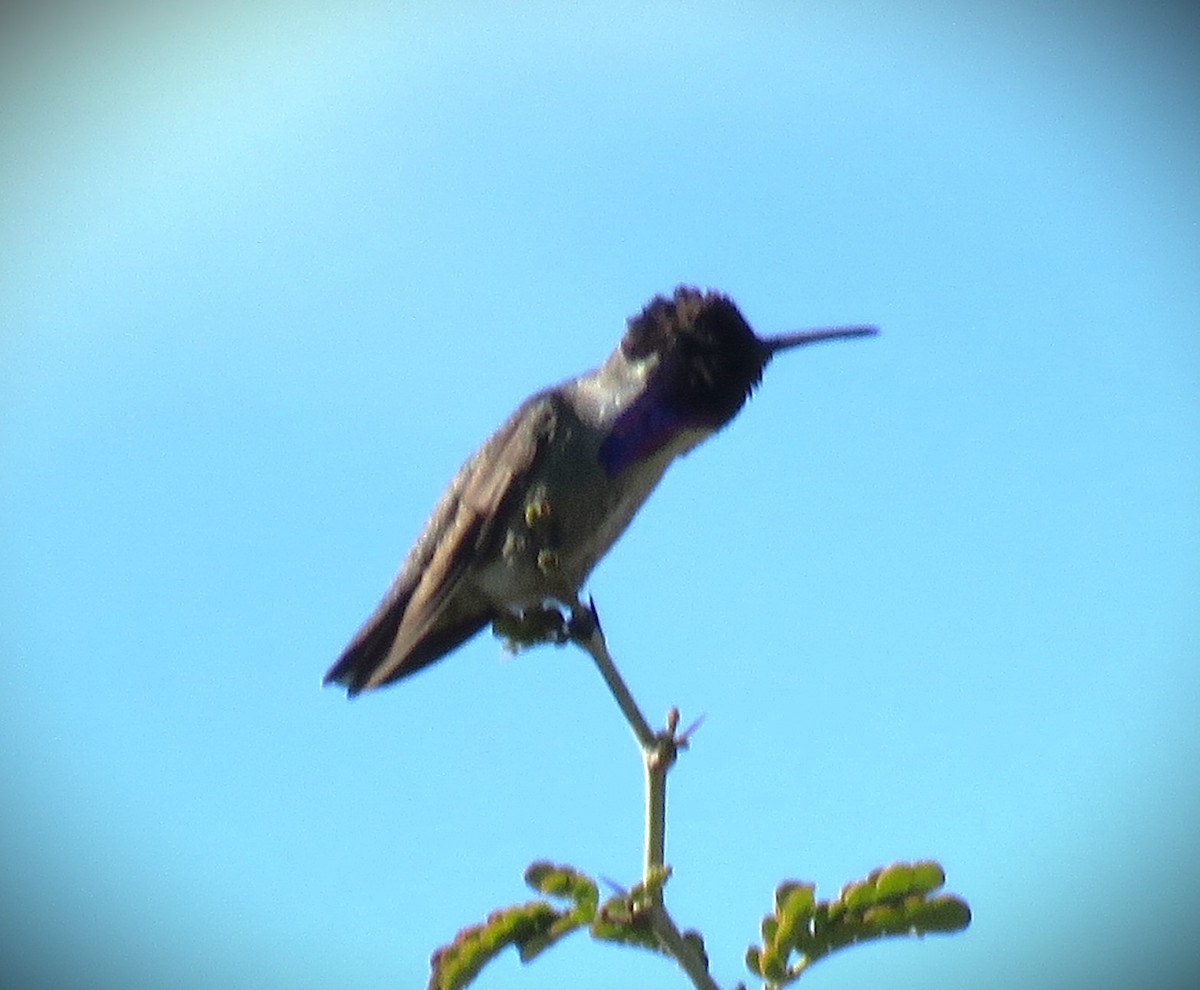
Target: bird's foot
532, 627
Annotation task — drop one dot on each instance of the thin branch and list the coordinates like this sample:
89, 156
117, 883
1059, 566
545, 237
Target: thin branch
672, 939
585, 630
659, 750
656, 809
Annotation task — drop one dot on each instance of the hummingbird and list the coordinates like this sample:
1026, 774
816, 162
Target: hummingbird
533, 511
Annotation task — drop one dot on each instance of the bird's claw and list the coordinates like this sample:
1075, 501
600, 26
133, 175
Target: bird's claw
532, 627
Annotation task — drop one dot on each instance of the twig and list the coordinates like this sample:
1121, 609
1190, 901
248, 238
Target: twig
672, 939
584, 629
658, 760
659, 750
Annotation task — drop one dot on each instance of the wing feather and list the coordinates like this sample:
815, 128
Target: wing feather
432, 606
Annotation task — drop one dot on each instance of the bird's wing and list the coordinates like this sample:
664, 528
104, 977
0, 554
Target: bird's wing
425, 614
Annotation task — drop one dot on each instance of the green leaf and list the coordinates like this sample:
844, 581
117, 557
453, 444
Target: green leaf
890, 901
531, 928
455, 965
927, 876
754, 960
792, 896
894, 881
773, 967
565, 882
884, 919
858, 895
941, 915
794, 903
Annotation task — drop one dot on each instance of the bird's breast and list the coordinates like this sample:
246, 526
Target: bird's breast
572, 511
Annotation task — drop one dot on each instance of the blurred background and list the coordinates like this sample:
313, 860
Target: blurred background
270, 272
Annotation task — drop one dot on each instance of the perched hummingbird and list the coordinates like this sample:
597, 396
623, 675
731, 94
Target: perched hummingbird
533, 511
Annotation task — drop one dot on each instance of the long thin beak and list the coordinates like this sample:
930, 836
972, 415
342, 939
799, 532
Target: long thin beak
801, 337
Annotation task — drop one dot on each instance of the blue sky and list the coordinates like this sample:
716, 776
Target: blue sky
268, 275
